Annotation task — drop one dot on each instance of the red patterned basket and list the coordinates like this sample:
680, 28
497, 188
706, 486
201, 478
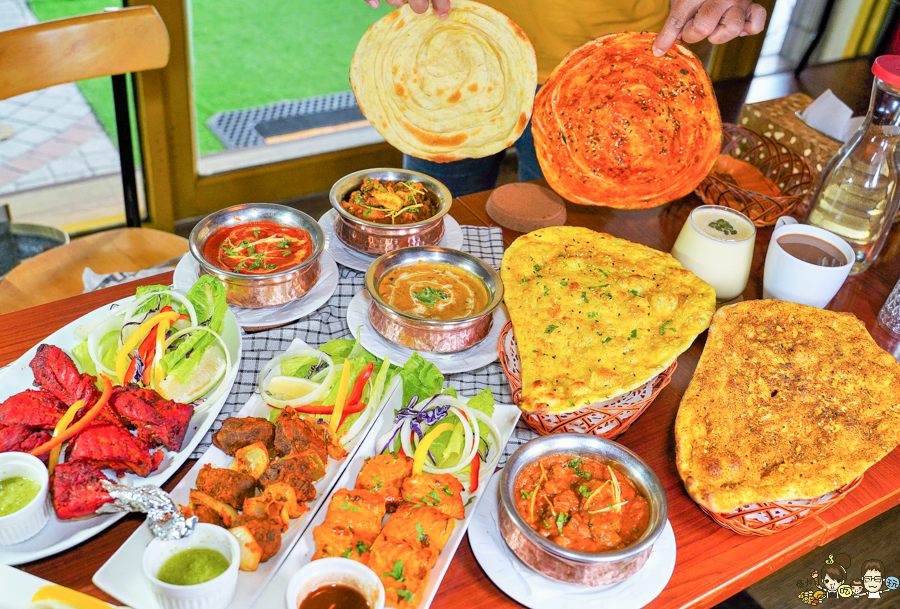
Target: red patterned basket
607, 419
772, 517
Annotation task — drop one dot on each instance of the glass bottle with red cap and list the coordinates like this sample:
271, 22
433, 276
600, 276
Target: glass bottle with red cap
857, 195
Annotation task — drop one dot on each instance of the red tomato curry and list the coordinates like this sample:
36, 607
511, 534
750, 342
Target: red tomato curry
581, 503
257, 248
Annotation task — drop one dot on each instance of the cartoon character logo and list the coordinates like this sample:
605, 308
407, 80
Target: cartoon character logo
832, 581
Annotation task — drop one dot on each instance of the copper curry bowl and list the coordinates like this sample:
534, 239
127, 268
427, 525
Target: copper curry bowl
571, 566
374, 239
256, 291
432, 335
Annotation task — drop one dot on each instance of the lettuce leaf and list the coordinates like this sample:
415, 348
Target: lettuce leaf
154, 303
420, 378
208, 297
298, 366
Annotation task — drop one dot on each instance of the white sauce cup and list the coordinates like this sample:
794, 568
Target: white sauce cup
27, 522
335, 571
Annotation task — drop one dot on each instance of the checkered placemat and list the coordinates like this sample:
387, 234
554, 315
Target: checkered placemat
329, 322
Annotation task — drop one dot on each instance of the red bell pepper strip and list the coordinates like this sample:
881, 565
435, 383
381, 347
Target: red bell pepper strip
148, 364
473, 472
142, 350
79, 425
359, 385
358, 407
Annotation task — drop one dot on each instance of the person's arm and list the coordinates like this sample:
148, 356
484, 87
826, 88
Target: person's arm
441, 7
717, 20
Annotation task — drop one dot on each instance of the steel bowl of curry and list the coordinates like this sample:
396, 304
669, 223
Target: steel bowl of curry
265, 254
381, 210
581, 509
432, 299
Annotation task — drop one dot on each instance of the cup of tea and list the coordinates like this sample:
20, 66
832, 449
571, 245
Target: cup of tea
805, 264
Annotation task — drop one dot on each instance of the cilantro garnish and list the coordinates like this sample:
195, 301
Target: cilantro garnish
347, 506
583, 491
429, 296
663, 328
346, 553
561, 519
550, 329
574, 464
421, 535
361, 547
635, 293
397, 573
405, 594
525, 494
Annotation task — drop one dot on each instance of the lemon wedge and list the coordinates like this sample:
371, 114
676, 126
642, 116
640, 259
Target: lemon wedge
71, 598
208, 372
290, 387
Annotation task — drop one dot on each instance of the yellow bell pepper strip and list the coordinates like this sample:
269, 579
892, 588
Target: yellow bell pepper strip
134, 339
64, 422
341, 398
161, 330
70, 597
425, 443
142, 352
81, 423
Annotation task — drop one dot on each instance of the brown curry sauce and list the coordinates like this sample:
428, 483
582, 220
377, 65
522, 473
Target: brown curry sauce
573, 502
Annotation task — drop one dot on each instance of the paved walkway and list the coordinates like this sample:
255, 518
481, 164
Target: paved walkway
56, 138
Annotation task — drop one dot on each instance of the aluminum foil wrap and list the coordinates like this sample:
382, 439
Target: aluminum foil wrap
165, 518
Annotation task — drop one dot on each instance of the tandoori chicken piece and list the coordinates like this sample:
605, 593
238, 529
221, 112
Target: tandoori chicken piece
295, 470
157, 421
227, 485
296, 433
265, 531
357, 510
424, 528
384, 474
337, 541
403, 570
440, 491
55, 372
238, 432
23, 439
113, 447
76, 490
37, 409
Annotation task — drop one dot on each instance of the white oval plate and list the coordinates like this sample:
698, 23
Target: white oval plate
474, 357
188, 270
538, 592
453, 238
59, 535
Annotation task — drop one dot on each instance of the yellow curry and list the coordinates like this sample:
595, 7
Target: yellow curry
430, 290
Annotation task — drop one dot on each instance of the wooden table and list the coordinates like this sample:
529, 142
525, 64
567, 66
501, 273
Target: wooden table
712, 564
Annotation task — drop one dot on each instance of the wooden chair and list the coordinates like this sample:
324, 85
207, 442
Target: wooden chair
114, 44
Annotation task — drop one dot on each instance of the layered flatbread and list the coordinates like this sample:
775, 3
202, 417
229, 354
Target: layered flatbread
615, 125
596, 316
444, 90
787, 402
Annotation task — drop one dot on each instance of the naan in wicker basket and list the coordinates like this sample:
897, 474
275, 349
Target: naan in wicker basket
445, 90
596, 316
787, 402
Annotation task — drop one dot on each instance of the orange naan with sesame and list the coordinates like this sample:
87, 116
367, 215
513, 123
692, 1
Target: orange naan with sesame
444, 90
596, 316
615, 125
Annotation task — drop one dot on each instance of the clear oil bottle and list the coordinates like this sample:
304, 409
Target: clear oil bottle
857, 195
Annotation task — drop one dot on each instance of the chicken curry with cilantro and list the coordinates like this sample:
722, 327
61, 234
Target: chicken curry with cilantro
429, 290
384, 202
581, 504
257, 248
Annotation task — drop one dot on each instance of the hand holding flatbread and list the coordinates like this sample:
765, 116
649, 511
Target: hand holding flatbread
615, 125
446, 89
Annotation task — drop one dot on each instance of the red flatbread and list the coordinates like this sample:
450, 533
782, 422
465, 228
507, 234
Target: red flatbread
616, 126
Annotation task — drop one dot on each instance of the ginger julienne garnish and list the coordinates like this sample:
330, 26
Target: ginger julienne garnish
257, 248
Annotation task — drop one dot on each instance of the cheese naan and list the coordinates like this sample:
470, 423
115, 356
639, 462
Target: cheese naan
787, 402
615, 125
596, 316
444, 90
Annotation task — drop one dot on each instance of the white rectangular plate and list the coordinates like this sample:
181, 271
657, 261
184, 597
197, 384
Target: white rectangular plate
122, 575
274, 596
59, 535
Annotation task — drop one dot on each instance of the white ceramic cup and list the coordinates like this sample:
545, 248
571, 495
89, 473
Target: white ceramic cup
331, 571
793, 280
213, 594
27, 521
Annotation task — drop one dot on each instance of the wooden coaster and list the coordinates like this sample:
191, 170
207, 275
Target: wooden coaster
526, 207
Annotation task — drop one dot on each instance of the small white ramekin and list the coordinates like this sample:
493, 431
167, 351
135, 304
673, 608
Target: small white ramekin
214, 594
335, 571
26, 522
